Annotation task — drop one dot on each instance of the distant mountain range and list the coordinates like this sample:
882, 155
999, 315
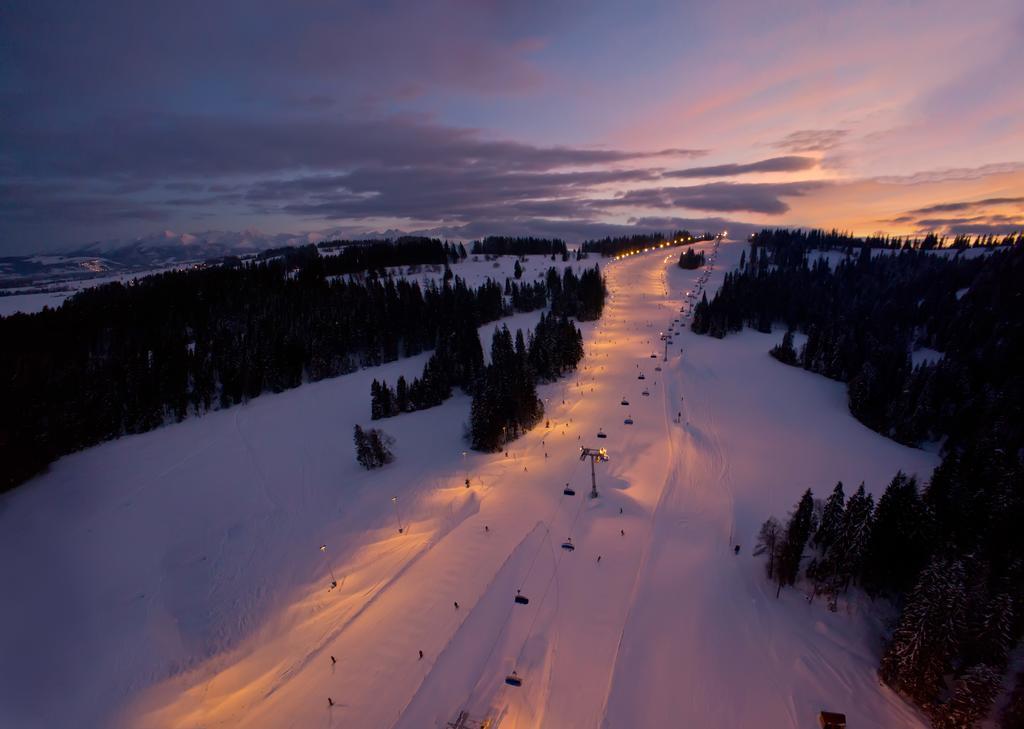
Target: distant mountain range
150, 252
169, 247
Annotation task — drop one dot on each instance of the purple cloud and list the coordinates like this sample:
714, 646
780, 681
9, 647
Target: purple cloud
812, 140
764, 198
789, 163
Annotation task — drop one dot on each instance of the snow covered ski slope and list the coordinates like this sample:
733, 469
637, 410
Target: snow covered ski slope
194, 553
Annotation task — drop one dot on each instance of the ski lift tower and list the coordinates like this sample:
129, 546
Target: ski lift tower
463, 721
595, 455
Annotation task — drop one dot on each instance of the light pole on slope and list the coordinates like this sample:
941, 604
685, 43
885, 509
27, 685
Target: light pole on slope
398, 514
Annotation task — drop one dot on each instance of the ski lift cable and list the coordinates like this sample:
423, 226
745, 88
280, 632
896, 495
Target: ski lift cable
501, 631
551, 580
543, 598
547, 525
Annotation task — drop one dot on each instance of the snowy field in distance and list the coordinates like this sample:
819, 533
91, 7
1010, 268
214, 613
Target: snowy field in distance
53, 293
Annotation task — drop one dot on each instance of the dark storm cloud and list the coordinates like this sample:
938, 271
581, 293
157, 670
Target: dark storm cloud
717, 196
48, 203
438, 193
160, 146
789, 163
985, 228
968, 205
812, 140
967, 217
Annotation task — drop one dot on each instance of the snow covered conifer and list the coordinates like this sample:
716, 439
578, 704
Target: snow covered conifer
401, 394
928, 633
1013, 713
380, 446
792, 547
784, 352
897, 546
363, 453
973, 694
376, 409
831, 519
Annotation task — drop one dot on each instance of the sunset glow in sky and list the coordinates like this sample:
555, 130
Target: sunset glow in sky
124, 118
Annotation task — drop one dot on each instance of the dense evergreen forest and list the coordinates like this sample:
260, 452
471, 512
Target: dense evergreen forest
354, 256
506, 246
949, 555
689, 260
609, 247
505, 402
126, 358
795, 241
458, 358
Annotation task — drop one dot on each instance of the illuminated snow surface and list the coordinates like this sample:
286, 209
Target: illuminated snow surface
175, 578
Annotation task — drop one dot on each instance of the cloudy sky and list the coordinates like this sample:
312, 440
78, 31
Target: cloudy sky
123, 118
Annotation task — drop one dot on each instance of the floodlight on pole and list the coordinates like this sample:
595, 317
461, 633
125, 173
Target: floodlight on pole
398, 514
334, 580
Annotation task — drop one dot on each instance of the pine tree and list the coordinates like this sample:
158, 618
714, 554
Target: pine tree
380, 447
995, 633
402, 395
376, 406
792, 547
1013, 713
831, 519
517, 271
843, 558
898, 544
701, 317
784, 352
853, 539
973, 694
364, 454
930, 629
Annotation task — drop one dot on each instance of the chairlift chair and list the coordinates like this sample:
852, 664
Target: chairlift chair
601, 434
568, 491
568, 546
641, 377
521, 599
645, 393
625, 401
513, 679
628, 421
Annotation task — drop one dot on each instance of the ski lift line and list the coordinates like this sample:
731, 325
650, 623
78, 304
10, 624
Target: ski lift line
497, 639
547, 526
505, 624
543, 598
559, 556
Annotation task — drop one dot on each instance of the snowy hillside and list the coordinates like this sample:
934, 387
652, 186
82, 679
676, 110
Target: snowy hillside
176, 578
